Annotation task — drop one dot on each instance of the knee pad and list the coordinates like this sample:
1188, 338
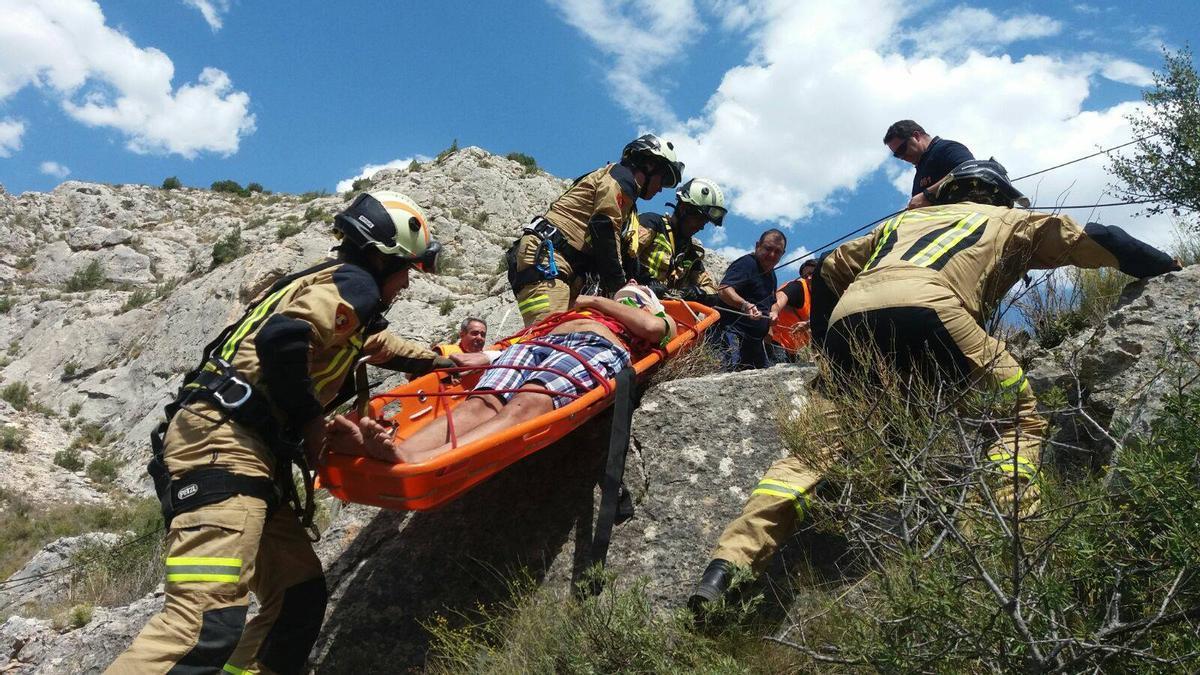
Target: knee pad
220, 631
286, 647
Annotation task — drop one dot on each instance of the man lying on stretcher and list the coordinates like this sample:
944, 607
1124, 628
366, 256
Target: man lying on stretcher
599, 331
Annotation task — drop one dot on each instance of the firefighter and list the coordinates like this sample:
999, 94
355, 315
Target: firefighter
580, 232
254, 407
923, 283
662, 251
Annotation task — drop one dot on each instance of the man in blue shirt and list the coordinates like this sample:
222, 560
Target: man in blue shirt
745, 297
933, 156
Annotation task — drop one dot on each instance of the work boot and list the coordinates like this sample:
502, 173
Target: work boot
712, 585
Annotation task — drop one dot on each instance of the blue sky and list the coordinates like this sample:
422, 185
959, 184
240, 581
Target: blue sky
784, 103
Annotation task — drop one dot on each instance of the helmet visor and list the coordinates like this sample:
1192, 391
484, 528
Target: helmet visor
429, 261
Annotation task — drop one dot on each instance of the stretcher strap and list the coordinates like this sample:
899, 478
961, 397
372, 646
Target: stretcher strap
616, 506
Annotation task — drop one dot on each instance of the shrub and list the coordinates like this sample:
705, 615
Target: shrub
254, 187
480, 219
74, 408
447, 152
316, 214
230, 187
137, 298
1185, 244
288, 229
103, 469
69, 459
86, 278
6, 304
362, 184
26, 262
414, 166
524, 160
313, 194
69, 369
17, 394
446, 306
171, 183
458, 213
92, 435
12, 439
228, 248
80, 616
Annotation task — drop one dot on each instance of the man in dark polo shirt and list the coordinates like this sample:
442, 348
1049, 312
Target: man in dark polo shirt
745, 297
933, 156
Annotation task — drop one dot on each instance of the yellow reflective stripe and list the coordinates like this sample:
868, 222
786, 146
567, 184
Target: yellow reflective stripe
230, 562
246, 326
776, 488
634, 226
938, 247
1015, 379
660, 255
1016, 463
219, 578
234, 670
533, 303
889, 228
336, 367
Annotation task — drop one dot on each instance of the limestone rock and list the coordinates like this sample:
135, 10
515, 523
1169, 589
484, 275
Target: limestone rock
1121, 370
38, 581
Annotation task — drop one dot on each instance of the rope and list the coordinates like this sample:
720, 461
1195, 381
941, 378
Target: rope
25, 581
1094, 154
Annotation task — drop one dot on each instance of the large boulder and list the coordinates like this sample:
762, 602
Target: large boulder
1119, 373
40, 582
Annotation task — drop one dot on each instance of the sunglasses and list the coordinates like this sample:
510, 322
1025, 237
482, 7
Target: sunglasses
898, 153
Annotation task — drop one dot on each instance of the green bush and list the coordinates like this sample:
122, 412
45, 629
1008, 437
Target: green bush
447, 152
92, 435
103, 469
288, 229
362, 184
69, 369
6, 304
74, 408
137, 298
26, 262
12, 439
86, 278
69, 459
446, 306
228, 248
254, 187
530, 164
316, 214
313, 194
230, 187
17, 394
80, 615
171, 183
414, 166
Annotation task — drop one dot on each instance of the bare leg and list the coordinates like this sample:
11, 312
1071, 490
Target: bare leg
520, 408
470, 414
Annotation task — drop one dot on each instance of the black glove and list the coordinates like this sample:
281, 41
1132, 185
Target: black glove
697, 294
659, 290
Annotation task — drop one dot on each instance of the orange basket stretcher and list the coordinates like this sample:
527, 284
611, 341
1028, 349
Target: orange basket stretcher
428, 485
784, 332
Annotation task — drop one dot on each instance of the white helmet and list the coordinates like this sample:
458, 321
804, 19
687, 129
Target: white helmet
640, 297
704, 196
391, 223
652, 148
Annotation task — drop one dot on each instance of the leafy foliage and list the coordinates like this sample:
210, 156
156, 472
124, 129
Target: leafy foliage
530, 164
228, 248
441, 156
86, 278
1166, 163
171, 183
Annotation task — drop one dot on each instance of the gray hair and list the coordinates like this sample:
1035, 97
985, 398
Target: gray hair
462, 327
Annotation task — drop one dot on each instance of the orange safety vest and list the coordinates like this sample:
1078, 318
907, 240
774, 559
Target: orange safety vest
448, 349
789, 316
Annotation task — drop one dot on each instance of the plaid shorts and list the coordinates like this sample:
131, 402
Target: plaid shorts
604, 356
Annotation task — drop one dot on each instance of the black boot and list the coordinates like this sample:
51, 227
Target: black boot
712, 585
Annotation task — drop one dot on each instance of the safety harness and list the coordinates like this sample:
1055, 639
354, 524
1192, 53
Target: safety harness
544, 267
218, 383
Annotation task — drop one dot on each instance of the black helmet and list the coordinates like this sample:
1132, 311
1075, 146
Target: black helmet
654, 149
979, 180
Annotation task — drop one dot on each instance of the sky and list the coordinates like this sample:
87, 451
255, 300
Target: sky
783, 102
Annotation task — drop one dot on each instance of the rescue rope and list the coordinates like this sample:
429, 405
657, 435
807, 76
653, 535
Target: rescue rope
1094, 154
21, 582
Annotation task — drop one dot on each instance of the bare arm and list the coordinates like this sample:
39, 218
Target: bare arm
641, 323
731, 298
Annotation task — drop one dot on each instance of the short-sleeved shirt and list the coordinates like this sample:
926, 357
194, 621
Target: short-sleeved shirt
794, 290
756, 287
939, 159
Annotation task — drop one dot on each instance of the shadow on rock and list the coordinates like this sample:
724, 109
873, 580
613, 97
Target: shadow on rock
404, 569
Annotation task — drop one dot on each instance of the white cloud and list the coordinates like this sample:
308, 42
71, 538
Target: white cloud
55, 169
640, 37
212, 11
11, 131
730, 253
964, 28
1128, 72
795, 129
102, 78
371, 169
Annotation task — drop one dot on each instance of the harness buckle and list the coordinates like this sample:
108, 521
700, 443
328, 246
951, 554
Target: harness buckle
237, 382
541, 228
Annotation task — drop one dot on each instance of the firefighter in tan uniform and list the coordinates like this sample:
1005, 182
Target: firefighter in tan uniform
919, 287
580, 233
661, 250
255, 406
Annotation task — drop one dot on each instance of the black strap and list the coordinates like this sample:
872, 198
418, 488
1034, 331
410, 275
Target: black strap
616, 506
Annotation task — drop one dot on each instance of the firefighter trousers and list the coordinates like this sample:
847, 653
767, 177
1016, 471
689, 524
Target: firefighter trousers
542, 297
950, 337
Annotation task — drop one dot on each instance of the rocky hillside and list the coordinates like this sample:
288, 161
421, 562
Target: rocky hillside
96, 364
